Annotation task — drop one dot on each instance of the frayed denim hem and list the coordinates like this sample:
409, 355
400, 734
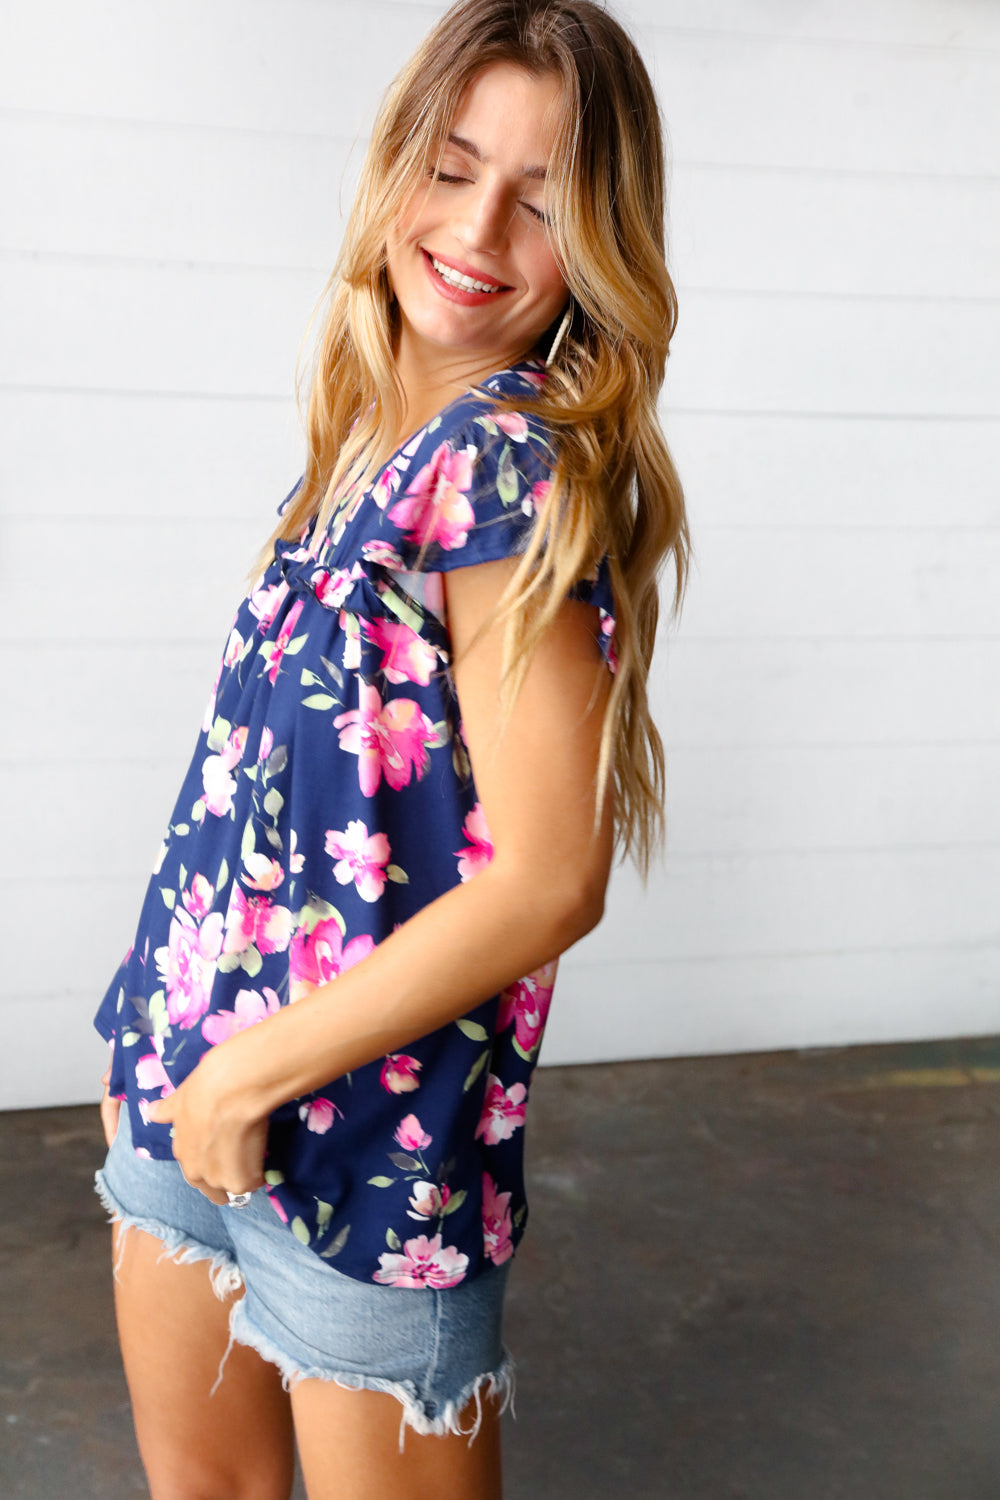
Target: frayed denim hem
223, 1271
500, 1382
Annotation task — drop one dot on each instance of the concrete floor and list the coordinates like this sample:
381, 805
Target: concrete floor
764, 1277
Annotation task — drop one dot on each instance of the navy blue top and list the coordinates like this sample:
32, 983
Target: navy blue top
330, 797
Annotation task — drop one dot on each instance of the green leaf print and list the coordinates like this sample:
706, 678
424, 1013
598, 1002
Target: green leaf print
442, 734
273, 838
319, 700
169, 898
227, 963
507, 486
300, 1229
130, 1038
335, 1247
250, 772
475, 1070
159, 1020
404, 1162
392, 1240
397, 875
251, 962
181, 830
472, 1030
223, 875
273, 802
381, 1181
295, 645
324, 1213
219, 734
274, 1178
316, 911
248, 844
309, 679
182, 876
455, 1201
277, 760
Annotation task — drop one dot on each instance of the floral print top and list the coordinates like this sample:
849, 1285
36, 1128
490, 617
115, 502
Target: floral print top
330, 797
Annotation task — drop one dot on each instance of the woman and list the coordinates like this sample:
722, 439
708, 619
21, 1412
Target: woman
428, 731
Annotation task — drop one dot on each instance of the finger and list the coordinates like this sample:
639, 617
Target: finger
214, 1195
110, 1109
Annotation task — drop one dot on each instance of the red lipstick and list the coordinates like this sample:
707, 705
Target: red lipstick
460, 294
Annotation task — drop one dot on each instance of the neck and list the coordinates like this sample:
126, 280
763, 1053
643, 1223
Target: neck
431, 377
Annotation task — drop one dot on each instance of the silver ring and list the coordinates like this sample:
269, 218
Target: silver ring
238, 1200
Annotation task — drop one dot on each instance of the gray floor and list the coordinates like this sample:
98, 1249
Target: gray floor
768, 1277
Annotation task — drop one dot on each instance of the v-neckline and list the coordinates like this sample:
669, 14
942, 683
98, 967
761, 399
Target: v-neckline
418, 431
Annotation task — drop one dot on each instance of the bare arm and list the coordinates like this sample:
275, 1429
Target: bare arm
542, 891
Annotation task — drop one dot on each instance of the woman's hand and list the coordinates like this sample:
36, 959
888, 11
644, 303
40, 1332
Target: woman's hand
218, 1142
110, 1108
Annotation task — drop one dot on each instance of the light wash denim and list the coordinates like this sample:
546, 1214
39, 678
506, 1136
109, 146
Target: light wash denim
431, 1349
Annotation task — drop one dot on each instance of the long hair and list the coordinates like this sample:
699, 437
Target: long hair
615, 490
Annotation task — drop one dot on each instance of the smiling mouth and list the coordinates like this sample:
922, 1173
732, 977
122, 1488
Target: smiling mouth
461, 282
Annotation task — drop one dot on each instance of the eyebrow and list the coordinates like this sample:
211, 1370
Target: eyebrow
539, 173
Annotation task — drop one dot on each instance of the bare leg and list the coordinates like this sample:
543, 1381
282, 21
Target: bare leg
349, 1449
174, 1331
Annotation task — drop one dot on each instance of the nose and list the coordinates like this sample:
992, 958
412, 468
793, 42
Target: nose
484, 220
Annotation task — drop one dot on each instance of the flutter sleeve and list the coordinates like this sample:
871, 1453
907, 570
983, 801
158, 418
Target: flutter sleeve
470, 491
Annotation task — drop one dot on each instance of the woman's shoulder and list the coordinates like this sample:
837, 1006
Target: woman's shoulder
468, 486
472, 421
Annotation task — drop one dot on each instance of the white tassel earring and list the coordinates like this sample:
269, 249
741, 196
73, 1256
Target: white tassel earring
560, 333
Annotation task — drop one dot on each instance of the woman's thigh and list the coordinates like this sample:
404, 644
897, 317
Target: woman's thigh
349, 1448
200, 1438
176, 1282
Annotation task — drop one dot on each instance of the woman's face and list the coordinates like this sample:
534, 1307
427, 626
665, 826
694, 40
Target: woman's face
481, 218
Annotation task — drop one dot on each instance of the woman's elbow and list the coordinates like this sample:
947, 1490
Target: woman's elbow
578, 904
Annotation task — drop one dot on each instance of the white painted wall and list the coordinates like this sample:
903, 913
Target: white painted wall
172, 179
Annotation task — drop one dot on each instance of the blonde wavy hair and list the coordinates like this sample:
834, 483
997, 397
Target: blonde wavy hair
615, 490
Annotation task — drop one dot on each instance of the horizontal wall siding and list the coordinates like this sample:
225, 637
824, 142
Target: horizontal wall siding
176, 181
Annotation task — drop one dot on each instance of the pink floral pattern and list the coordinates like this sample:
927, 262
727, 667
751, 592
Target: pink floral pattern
249, 1008
389, 739
359, 857
436, 505
399, 1073
187, 965
503, 1111
496, 1222
329, 799
526, 1004
479, 846
256, 922
320, 956
406, 656
423, 1263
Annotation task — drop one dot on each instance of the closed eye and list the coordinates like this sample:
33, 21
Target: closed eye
449, 177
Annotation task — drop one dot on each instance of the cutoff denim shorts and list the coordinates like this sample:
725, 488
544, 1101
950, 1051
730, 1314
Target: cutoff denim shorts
432, 1350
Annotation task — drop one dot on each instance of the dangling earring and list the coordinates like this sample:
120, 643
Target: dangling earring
560, 333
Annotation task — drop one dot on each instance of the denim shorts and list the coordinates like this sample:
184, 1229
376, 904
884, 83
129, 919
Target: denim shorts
431, 1349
